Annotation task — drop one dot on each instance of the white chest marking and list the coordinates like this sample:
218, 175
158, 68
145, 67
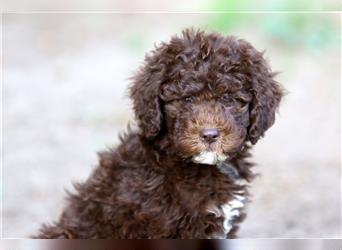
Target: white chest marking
228, 211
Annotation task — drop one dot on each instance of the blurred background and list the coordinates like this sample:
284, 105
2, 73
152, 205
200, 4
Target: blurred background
64, 98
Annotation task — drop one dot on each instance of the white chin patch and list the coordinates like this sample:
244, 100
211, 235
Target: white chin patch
208, 157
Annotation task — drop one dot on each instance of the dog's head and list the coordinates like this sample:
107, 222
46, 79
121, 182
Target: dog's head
207, 94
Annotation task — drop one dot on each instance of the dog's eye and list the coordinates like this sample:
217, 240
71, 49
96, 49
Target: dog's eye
227, 99
189, 99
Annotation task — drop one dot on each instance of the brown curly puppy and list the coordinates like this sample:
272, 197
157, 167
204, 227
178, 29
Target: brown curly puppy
200, 101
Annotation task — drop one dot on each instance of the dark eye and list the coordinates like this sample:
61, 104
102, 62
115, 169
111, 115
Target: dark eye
189, 99
227, 98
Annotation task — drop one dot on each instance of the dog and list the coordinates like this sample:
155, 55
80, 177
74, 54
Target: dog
201, 101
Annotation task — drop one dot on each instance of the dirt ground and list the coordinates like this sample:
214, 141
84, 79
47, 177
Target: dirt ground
64, 82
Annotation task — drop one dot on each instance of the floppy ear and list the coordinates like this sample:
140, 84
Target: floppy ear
144, 92
266, 93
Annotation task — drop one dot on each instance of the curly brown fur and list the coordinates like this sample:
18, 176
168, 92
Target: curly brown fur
171, 179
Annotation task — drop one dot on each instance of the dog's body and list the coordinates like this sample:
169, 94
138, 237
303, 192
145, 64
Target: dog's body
200, 102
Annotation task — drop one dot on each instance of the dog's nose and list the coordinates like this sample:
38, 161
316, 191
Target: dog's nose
210, 134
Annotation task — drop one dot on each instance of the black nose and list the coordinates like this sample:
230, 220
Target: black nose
210, 134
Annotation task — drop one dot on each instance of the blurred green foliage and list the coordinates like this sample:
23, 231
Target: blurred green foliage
309, 30
312, 30
272, 5
224, 22
287, 23
136, 41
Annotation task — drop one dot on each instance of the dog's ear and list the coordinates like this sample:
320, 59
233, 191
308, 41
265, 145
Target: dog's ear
266, 93
144, 92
